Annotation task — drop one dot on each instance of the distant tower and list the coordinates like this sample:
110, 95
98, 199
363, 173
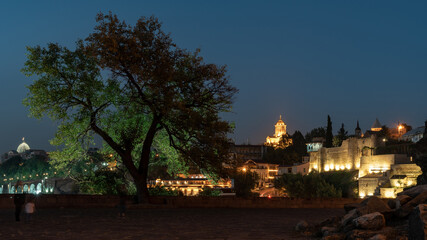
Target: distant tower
358, 131
280, 128
376, 127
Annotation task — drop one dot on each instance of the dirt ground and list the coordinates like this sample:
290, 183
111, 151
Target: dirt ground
193, 223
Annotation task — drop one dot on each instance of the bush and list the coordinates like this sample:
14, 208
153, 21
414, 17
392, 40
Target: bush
103, 182
244, 182
317, 185
162, 191
342, 181
207, 191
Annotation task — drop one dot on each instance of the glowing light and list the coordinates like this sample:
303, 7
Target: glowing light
315, 166
326, 168
362, 195
244, 169
337, 167
389, 193
348, 166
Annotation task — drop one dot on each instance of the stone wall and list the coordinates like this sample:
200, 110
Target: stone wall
91, 201
347, 156
379, 163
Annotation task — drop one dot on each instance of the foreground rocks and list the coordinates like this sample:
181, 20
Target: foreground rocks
404, 217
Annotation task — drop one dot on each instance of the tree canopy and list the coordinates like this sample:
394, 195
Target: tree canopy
315, 133
156, 99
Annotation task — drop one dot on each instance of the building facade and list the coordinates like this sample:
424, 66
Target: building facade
279, 131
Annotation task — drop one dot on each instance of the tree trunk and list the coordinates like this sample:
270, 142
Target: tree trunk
142, 195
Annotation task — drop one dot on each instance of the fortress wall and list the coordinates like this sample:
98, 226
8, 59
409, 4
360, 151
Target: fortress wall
347, 156
378, 163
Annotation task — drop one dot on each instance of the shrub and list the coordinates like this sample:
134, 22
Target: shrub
207, 191
244, 182
316, 185
162, 191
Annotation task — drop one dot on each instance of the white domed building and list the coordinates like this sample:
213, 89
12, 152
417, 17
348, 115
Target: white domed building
24, 151
23, 147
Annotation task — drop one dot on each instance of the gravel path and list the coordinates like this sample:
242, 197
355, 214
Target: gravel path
194, 223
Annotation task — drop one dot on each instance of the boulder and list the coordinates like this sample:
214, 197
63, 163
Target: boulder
379, 236
406, 209
335, 236
348, 218
326, 231
415, 191
392, 203
301, 226
388, 232
402, 200
333, 221
418, 222
371, 205
372, 221
350, 206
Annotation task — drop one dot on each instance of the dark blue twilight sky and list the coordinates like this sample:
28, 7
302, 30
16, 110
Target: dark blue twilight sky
354, 60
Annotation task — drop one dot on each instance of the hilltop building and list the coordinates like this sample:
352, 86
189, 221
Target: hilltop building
23, 150
280, 130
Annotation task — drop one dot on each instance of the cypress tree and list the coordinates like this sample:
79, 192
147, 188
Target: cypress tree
329, 136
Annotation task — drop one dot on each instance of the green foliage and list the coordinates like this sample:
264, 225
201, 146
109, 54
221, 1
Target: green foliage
287, 156
103, 182
244, 183
299, 143
317, 185
285, 141
208, 191
343, 181
319, 132
33, 168
162, 191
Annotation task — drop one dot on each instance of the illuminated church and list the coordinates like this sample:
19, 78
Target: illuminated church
280, 130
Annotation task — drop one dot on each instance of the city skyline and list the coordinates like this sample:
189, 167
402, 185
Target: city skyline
304, 60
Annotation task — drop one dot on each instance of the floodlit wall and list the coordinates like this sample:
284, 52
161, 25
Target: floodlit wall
347, 156
380, 163
368, 185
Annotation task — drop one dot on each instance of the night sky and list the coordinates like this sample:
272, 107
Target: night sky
304, 60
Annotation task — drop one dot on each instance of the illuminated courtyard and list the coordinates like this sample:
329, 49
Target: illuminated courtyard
207, 223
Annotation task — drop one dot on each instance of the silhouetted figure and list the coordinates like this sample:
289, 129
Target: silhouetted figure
122, 205
18, 200
122, 190
30, 207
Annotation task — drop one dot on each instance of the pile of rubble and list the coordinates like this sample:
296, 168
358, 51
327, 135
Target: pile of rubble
404, 217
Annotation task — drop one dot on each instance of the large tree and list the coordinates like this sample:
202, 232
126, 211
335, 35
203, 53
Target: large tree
155, 92
319, 132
